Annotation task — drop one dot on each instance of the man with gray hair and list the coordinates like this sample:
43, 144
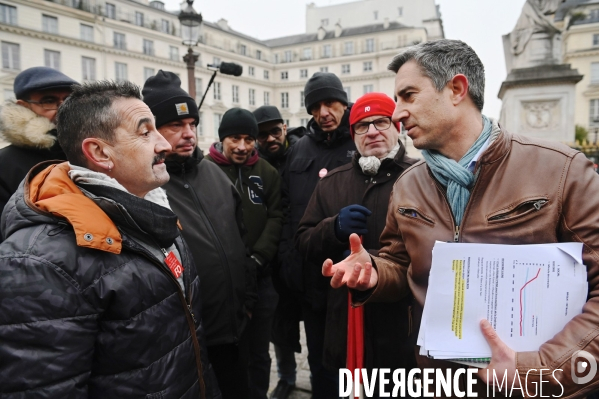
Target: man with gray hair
478, 184
99, 295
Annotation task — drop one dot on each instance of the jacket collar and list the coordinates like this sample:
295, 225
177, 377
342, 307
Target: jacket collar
48, 189
24, 128
177, 166
497, 149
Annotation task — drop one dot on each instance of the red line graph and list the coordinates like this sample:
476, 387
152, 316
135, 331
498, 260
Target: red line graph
521, 291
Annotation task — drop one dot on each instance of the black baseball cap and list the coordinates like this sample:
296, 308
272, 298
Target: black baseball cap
267, 113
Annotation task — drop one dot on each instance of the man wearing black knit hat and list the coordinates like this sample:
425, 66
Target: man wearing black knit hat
259, 185
209, 209
326, 145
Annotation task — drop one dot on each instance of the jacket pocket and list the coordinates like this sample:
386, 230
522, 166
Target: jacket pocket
416, 215
300, 165
519, 210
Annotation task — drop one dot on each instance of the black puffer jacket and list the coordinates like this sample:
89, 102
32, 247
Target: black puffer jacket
88, 308
209, 209
315, 151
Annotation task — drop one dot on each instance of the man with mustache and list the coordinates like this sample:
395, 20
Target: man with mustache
260, 187
326, 146
274, 141
209, 209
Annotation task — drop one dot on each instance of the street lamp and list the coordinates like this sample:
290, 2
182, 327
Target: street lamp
190, 33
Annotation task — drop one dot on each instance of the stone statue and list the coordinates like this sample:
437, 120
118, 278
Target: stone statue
533, 19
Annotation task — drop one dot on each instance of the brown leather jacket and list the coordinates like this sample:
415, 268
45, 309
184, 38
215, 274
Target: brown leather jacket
528, 191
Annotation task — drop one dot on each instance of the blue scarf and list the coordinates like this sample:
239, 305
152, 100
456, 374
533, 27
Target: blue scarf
455, 175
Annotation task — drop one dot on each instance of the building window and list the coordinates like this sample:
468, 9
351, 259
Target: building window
326, 51
594, 72
376, 15
148, 73
235, 93
304, 121
594, 113
8, 14
217, 119
120, 71
199, 89
284, 75
307, 53
302, 99
345, 68
284, 100
9, 94
287, 56
367, 66
119, 41
596, 39
139, 18
87, 33
174, 53
369, 48
200, 127
216, 91
252, 96
266, 75
88, 69
251, 71
50, 24
215, 61
165, 26
276, 58
11, 57
368, 88
399, 11
303, 73
348, 92
111, 11
148, 47
242, 49
324, 69
266, 98
348, 48
324, 22
52, 59
258, 54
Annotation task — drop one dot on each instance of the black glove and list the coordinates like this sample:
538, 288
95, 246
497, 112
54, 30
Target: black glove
351, 219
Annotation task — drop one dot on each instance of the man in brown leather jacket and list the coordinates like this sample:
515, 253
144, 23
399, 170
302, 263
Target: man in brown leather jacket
478, 183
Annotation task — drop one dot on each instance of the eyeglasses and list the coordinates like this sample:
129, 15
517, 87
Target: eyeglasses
379, 124
48, 103
275, 132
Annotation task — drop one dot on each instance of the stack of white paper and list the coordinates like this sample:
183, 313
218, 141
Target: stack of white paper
527, 292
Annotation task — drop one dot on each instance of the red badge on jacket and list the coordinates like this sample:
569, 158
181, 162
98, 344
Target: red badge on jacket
173, 263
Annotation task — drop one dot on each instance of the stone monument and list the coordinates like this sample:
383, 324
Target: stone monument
538, 94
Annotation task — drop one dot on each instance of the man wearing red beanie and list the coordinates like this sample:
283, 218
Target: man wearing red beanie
353, 199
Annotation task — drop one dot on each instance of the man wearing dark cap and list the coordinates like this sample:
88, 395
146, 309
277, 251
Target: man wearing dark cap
209, 209
326, 146
28, 124
260, 187
274, 142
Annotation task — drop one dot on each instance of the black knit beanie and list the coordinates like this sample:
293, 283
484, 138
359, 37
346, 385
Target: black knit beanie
323, 86
238, 121
167, 100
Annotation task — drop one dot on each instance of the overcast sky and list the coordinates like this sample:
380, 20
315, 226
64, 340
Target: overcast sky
480, 23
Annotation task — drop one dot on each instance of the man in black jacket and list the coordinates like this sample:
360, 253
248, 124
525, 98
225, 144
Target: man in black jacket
326, 146
28, 124
99, 296
209, 209
274, 142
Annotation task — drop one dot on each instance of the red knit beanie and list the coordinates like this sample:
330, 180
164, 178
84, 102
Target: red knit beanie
371, 104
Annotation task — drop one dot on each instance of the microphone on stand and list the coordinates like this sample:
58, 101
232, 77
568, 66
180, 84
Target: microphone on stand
228, 68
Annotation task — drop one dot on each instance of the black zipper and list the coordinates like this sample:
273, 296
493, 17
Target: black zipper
216, 244
533, 206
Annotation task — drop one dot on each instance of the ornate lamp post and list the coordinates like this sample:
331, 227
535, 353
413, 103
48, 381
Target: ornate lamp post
190, 33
